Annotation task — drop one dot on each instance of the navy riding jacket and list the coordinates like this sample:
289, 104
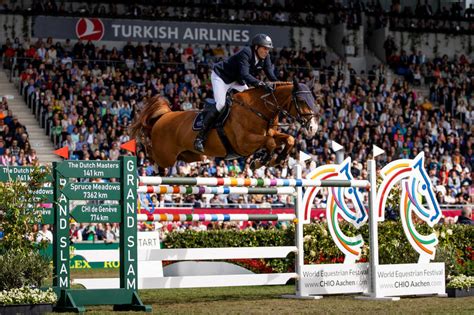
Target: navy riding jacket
242, 67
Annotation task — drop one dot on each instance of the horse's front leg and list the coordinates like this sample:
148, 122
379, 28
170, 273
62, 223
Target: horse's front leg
264, 155
282, 138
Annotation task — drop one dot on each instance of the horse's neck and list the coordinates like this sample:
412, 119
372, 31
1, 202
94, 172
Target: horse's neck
269, 105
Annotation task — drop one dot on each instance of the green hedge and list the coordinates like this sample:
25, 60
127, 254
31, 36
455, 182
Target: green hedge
454, 248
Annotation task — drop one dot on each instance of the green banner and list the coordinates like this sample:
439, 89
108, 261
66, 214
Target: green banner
47, 215
21, 173
128, 229
89, 169
44, 194
61, 274
97, 213
92, 191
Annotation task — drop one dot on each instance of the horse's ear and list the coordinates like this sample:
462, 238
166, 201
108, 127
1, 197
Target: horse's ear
311, 84
295, 84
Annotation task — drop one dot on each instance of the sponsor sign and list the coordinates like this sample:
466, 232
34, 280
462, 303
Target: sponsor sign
158, 31
410, 279
89, 29
334, 279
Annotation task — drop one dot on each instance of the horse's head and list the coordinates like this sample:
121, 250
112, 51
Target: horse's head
420, 183
303, 107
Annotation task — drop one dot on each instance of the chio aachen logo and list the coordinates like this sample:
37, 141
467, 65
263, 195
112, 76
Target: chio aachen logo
89, 29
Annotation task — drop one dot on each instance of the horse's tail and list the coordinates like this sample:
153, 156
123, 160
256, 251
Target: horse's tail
142, 125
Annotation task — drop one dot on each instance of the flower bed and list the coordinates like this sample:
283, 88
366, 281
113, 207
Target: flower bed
454, 248
27, 295
460, 286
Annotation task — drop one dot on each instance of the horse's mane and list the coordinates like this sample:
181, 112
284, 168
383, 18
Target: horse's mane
282, 83
153, 109
276, 84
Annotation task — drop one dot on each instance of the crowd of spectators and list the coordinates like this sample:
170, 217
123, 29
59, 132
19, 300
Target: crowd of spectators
422, 17
449, 80
293, 12
95, 232
15, 147
90, 94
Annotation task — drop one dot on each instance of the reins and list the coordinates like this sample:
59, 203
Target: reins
274, 107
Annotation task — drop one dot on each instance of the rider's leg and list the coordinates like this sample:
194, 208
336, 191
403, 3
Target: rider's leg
211, 113
219, 88
239, 87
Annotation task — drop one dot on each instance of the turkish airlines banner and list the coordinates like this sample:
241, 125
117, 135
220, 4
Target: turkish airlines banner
97, 29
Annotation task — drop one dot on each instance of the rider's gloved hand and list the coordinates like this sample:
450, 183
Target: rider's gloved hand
268, 87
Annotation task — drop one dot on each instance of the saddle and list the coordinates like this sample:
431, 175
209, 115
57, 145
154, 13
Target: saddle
197, 123
219, 125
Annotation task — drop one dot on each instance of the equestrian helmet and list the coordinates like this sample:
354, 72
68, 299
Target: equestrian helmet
262, 40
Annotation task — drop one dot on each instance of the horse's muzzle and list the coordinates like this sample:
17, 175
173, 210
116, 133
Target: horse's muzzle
312, 126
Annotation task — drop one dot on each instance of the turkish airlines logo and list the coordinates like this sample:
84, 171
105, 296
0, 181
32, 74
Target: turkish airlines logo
89, 29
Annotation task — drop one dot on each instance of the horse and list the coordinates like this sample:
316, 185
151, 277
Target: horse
252, 124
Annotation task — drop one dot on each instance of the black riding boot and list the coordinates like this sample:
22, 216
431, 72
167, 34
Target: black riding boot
210, 117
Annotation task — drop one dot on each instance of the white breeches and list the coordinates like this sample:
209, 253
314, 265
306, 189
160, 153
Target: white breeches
220, 89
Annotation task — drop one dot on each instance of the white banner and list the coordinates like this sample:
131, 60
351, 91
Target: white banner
334, 279
410, 279
148, 240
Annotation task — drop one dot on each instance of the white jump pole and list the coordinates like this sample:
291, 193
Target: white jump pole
373, 227
299, 230
373, 237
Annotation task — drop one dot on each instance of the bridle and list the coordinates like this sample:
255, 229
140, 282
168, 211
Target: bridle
275, 108
304, 119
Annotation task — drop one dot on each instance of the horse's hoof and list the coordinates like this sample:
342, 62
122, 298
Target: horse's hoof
280, 159
198, 146
279, 162
255, 165
252, 165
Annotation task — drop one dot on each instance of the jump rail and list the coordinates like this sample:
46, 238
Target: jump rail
216, 190
215, 217
247, 182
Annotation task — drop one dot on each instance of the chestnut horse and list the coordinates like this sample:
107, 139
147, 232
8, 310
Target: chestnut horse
168, 136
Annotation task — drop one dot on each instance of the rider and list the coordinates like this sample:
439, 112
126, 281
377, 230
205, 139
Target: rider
235, 73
